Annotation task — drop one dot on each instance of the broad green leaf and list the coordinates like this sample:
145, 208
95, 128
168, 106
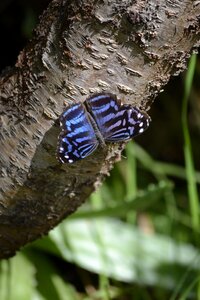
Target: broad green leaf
49, 285
17, 278
122, 252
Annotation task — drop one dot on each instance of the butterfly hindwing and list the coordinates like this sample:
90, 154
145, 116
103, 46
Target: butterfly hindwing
77, 138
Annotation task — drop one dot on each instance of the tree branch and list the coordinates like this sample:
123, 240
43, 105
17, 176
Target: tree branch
129, 48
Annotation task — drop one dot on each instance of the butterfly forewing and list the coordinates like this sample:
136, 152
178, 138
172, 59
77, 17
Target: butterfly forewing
77, 139
104, 108
117, 122
129, 122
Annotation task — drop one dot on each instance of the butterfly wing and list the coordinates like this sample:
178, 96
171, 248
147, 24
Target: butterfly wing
129, 122
104, 109
117, 122
77, 139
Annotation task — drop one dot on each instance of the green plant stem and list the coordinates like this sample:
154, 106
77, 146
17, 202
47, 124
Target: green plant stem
190, 171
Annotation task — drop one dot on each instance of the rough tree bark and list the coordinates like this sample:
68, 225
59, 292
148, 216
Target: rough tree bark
129, 48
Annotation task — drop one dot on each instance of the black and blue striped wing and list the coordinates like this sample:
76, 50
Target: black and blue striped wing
77, 139
115, 121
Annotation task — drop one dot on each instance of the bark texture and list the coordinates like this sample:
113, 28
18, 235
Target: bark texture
129, 48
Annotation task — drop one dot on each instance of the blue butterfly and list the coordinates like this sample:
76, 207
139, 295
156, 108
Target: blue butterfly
100, 119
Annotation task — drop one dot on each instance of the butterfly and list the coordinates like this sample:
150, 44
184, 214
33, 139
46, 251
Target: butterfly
101, 118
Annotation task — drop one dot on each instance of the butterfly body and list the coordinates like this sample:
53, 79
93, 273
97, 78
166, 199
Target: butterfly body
100, 119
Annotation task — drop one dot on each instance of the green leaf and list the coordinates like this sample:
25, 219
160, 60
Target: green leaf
49, 284
120, 251
17, 280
